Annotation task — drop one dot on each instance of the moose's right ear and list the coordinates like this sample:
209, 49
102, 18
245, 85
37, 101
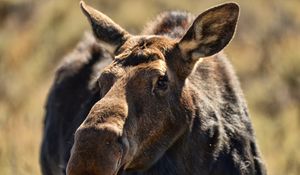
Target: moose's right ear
106, 31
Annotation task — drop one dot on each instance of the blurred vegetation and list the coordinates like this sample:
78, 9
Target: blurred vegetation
35, 35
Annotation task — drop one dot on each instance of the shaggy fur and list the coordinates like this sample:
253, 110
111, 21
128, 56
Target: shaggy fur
73, 93
157, 109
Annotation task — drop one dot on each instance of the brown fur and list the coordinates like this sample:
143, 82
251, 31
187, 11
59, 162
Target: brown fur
165, 110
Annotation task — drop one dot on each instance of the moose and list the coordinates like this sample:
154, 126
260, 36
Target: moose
165, 102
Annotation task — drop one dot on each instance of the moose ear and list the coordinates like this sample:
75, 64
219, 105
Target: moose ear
210, 32
110, 34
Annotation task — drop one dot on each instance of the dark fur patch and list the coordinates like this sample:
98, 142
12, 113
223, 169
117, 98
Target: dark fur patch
69, 101
137, 54
137, 59
172, 24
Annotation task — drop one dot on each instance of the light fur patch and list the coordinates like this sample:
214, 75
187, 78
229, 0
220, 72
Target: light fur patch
197, 55
196, 64
198, 30
186, 46
123, 54
209, 39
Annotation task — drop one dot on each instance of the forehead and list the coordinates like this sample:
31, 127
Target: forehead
143, 49
140, 53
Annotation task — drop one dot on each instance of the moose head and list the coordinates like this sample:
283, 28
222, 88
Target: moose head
147, 96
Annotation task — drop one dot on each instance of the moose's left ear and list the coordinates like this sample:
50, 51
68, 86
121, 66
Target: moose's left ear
211, 32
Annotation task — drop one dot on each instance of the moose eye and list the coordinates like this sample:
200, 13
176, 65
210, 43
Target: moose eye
162, 83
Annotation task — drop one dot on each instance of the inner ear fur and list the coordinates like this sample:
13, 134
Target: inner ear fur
210, 32
110, 34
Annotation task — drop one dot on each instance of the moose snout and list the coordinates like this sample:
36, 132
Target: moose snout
96, 151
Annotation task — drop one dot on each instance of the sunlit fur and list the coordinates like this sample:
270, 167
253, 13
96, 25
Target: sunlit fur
127, 124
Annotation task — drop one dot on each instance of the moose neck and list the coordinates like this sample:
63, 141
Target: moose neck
220, 138
193, 153
209, 153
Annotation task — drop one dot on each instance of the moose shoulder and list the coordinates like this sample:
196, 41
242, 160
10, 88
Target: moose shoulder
168, 102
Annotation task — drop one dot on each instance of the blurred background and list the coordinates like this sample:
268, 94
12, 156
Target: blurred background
35, 35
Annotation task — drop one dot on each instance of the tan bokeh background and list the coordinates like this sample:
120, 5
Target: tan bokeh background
36, 34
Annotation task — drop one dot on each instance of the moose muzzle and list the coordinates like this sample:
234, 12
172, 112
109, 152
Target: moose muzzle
96, 151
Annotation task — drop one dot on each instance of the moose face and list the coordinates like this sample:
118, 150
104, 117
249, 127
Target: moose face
146, 104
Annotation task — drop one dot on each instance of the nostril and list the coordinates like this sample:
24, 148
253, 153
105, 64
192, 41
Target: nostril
120, 141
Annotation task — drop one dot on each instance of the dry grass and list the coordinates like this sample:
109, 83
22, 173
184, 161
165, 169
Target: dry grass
34, 35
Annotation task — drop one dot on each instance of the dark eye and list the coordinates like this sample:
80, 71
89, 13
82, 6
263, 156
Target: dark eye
162, 83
